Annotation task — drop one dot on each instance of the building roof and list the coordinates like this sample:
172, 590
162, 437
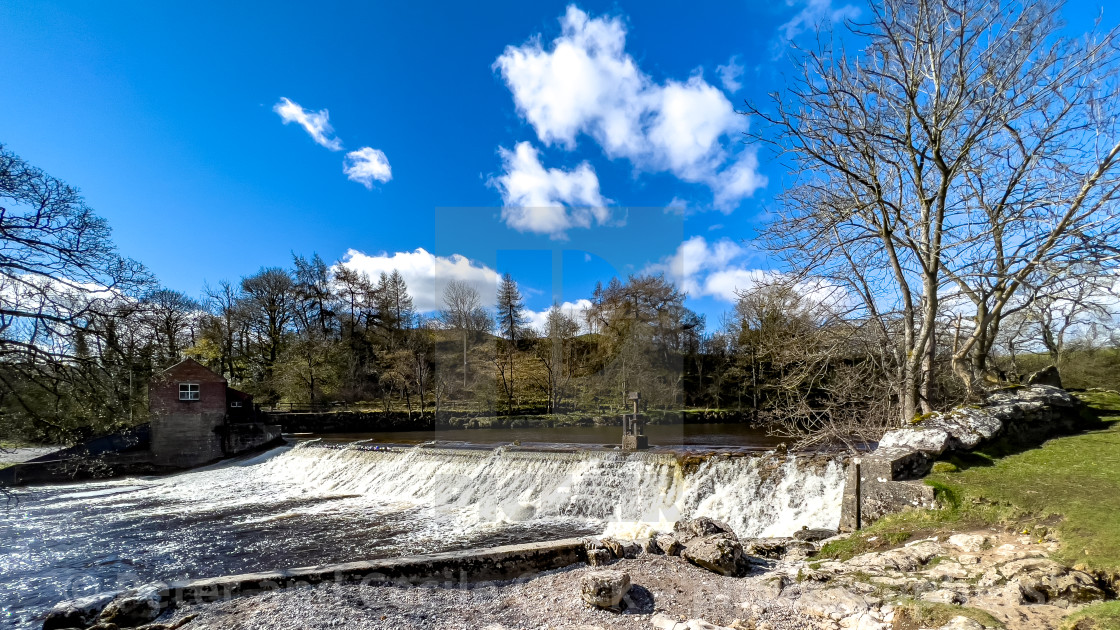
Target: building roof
190, 369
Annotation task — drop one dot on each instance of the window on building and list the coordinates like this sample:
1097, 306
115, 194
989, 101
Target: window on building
236, 403
188, 391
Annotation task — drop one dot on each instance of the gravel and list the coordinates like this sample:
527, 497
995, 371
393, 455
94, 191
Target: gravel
662, 584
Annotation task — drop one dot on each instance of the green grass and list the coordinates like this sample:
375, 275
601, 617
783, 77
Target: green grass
1105, 616
1069, 485
1071, 482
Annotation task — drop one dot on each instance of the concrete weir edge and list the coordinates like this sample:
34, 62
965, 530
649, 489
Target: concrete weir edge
451, 569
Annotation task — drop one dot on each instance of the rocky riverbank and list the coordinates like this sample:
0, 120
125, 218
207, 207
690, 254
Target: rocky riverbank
967, 580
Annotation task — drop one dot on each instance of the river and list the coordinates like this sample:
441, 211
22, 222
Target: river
364, 497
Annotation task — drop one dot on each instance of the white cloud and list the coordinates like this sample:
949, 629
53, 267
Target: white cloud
814, 13
739, 180
366, 165
726, 284
538, 320
547, 201
720, 269
696, 260
316, 124
585, 83
427, 275
730, 73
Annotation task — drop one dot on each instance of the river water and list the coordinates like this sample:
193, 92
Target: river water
332, 500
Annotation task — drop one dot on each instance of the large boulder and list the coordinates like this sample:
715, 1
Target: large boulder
1046, 376
604, 589
931, 441
719, 553
134, 607
669, 544
700, 526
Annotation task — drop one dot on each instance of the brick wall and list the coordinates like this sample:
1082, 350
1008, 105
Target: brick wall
187, 432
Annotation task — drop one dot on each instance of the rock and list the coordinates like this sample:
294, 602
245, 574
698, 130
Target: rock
703, 526
622, 548
931, 441
604, 589
718, 553
814, 535
649, 545
962, 623
669, 544
966, 426
1046, 376
771, 588
833, 603
134, 607
772, 548
864, 621
599, 557
614, 546
943, 596
1041, 580
970, 543
664, 622
77, 613
905, 559
948, 570
799, 550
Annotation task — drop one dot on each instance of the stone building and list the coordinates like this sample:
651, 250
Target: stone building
196, 417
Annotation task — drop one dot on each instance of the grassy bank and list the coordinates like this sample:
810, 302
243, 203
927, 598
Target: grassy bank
1069, 486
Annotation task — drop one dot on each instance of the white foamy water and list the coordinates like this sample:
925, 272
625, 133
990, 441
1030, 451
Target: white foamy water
310, 505
756, 495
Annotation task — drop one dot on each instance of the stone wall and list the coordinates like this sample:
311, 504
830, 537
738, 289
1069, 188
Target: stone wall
889, 478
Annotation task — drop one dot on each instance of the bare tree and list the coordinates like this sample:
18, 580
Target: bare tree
966, 145
62, 283
554, 352
172, 316
820, 377
463, 312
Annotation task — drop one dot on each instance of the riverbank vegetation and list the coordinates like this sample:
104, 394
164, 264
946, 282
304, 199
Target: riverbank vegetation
1064, 488
952, 224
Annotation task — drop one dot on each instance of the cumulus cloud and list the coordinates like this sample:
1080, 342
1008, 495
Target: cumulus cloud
538, 320
584, 82
367, 165
730, 73
721, 270
426, 274
316, 124
814, 13
547, 201
696, 261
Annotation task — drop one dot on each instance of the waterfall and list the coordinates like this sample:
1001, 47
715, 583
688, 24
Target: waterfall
629, 493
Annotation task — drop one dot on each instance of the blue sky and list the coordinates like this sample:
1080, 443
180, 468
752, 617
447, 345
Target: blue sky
214, 138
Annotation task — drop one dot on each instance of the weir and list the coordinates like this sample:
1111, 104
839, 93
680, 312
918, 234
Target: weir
310, 505
630, 492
